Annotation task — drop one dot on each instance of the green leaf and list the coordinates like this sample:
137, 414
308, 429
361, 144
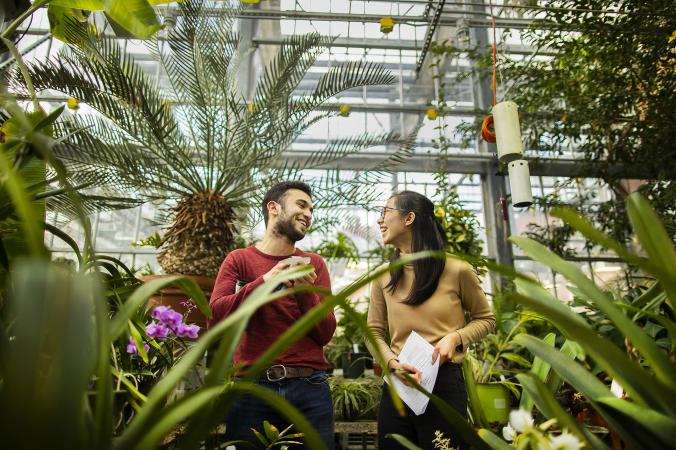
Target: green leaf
87, 5
658, 360
260, 437
656, 242
495, 442
589, 386
477, 412
271, 431
660, 426
174, 414
46, 373
403, 441
138, 342
540, 369
520, 360
571, 371
551, 409
642, 386
14, 183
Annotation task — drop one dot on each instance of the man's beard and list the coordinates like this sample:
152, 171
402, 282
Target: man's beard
284, 227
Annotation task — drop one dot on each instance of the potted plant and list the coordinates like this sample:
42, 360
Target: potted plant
338, 252
355, 399
491, 363
346, 349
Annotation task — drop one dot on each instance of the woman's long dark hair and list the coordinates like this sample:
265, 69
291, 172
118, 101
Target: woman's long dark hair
428, 234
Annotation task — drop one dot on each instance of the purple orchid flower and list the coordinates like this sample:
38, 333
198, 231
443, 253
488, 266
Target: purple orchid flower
131, 347
189, 331
158, 311
171, 318
157, 330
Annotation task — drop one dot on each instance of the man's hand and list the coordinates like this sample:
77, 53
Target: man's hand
445, 348
279, 267
308, 279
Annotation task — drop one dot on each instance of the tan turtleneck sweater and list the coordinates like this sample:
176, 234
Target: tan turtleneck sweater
459, 290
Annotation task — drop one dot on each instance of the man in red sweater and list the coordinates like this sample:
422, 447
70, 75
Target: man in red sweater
298, 373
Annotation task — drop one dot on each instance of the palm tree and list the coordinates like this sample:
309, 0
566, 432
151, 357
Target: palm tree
197, 142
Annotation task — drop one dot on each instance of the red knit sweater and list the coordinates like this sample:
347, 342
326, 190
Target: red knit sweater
272, 319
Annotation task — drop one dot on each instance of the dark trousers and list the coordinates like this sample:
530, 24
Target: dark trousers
422, 429
310, 395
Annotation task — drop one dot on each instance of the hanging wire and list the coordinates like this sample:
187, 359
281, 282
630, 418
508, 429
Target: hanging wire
487, 127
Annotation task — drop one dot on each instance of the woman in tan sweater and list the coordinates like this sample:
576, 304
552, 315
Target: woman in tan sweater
429, 296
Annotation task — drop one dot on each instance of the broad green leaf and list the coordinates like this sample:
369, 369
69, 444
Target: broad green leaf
47, 367
103, 409
569, 348
138, 342
661, 426
174, 414
583, 380
474, 405
135, 16
260, 437
642, 386
550, 407
655, 241
520, 360
271, 431
494, 441
540, 369
87, 5
665, 370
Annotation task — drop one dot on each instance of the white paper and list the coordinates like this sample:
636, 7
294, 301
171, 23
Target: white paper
417, 352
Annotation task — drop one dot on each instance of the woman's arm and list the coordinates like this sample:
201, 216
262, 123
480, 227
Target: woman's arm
377, 321
475, 302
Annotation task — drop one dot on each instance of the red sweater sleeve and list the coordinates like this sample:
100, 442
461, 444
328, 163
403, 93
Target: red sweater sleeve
223, 299
323, 331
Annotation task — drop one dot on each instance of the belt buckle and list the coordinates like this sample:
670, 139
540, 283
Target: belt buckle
267, 373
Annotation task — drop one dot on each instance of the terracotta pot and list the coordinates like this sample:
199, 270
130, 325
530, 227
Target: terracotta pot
174, 298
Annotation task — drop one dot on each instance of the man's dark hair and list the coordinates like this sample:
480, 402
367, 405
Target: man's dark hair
278, 191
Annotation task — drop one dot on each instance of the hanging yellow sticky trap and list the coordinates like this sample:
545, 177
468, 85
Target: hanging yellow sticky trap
73, 103
252, 108
386, 24
432, 114
250, 1
344, 110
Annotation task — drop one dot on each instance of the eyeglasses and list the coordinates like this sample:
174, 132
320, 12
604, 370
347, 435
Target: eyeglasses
381, 210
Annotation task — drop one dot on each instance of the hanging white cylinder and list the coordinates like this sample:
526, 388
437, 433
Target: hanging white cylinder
507, 131
519, 183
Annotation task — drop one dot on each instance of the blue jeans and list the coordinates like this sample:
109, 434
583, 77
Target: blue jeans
311, 396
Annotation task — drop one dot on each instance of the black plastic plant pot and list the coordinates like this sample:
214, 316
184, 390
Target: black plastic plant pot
353, 364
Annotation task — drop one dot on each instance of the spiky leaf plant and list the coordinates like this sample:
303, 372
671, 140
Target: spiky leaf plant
194, 140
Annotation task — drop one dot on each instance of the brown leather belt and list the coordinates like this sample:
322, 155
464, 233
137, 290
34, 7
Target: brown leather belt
280, 372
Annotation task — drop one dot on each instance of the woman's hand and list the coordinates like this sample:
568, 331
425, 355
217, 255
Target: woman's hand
445, 348
402, 370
